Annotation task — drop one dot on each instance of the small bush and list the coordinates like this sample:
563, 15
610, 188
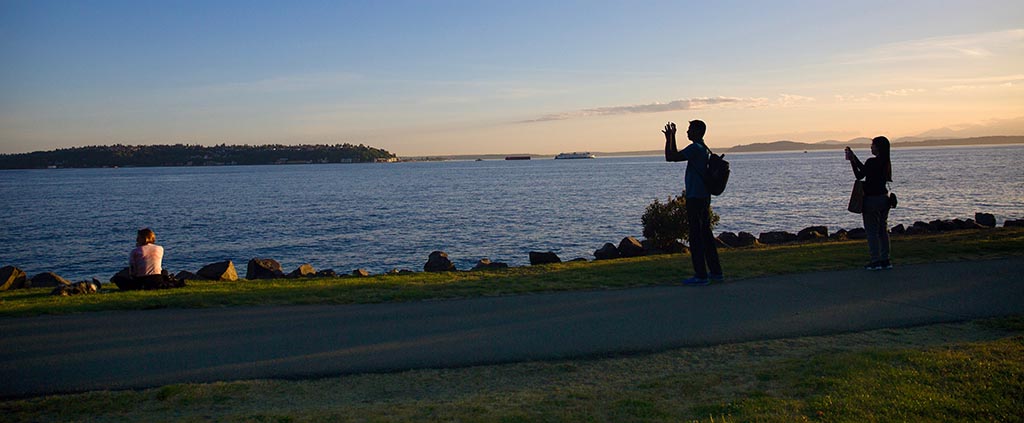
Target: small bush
666, 222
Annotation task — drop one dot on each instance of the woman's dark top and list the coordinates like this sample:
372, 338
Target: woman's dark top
873, 172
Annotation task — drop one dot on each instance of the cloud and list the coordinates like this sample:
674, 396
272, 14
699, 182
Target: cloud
902, 92
675, 105
958, 47
793, 100
286, 83
984, 83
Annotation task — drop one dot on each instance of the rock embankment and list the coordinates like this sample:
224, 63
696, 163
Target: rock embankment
12, 277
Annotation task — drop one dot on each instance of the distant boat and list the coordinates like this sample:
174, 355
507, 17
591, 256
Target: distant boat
517, 157
576, 155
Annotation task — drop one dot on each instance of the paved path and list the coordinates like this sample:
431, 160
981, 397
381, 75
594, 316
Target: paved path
137, 349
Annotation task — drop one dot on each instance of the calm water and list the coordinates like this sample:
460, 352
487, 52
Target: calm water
82, 223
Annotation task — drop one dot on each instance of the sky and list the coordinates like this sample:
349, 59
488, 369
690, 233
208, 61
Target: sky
476, 77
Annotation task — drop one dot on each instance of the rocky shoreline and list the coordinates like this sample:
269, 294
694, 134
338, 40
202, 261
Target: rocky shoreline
12, 277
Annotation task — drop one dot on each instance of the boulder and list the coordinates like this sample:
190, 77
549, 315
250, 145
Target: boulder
948, 225
747, 239
985, 219
812, 233
840, 235
630, 247
537, 257
649, 248
607, 252
729, 239
719, 244
261, 268
858, 233
187, 276
304, 271
362, 273
915, 230
935, 226
438, 262
12, 278
487, 264
898, 230
1015, 223
971, 224
77, 288
776, 237
329, 273
220, 271
579, 259
674, 247
47, 280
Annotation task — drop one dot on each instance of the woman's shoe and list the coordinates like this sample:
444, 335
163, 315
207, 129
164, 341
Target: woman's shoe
875, 265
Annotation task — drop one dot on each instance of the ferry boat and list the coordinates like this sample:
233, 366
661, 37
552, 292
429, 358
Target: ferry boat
576, 155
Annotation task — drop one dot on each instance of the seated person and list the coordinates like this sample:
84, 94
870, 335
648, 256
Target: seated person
145, 265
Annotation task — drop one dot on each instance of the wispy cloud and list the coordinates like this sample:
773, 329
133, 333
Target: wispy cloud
286, 83
902, 92
961, 47
985, 83
786, 100
981, 80
675, 105
697, 103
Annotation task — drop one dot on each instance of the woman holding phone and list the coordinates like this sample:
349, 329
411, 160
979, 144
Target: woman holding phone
876, 172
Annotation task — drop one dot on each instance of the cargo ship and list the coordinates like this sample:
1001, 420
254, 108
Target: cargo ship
576, 155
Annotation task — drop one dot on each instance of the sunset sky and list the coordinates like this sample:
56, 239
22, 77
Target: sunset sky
471, 77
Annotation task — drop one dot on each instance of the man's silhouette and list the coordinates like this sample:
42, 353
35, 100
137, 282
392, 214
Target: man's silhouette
698, 201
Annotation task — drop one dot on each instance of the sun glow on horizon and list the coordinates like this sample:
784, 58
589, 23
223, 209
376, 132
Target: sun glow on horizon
538, 80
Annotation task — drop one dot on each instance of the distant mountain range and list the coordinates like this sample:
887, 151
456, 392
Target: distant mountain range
862, 142
865, 142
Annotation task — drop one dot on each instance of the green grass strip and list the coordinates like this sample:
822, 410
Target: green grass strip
643, 271
962, 372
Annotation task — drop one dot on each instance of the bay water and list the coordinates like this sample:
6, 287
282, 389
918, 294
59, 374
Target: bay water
81, 223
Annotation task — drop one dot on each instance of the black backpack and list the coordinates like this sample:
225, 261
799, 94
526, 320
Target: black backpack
717, 173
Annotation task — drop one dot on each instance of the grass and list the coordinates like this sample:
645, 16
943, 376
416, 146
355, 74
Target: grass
622, 273
970, 371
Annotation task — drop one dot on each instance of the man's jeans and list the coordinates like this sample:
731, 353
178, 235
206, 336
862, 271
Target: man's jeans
702, 242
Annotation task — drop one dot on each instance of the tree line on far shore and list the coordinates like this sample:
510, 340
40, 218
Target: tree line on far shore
192, 155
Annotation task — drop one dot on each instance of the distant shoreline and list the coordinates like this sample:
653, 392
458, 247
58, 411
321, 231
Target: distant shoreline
769, 147
863, 143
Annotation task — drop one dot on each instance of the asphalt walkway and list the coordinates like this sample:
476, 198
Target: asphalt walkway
139, 349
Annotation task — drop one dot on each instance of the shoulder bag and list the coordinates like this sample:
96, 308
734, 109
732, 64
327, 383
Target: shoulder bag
857, 197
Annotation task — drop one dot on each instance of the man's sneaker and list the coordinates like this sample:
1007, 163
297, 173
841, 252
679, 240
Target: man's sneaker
695, 281
875, 265
713, 277
886, 264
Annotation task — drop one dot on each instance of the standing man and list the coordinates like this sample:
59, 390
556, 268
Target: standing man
698, 201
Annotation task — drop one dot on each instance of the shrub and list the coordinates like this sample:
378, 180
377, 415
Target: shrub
666, 222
